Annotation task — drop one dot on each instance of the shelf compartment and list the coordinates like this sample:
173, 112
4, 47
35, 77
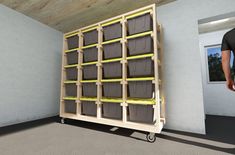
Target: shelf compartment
72, 58
112, 31
143, 67
90, 54
139, 46
112, 50
112, 110
141, 101
112, 70
90, 37
72, 42
89, 89
112, 89
140, 89
70, 107
141, 113
89, 72
89, 108
71, 73
139, 24
140, 56
70, 89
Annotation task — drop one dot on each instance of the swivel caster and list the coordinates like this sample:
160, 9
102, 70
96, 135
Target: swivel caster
151, 137
62, 120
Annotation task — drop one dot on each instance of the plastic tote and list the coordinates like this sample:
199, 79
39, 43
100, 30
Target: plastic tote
89, 89
140, 113
91, 37
112, 110
72, 42
70, 107
140, 68
89, 108
71, 73
140, 89
113, 50
112, 70
140, 45
112, 89
140, 24
72, 57
113, 31
90, 72
70, 90
90, 54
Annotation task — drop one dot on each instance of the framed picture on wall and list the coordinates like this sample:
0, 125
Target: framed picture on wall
215, 72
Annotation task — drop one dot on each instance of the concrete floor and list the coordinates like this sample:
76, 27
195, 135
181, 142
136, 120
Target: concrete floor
48, 137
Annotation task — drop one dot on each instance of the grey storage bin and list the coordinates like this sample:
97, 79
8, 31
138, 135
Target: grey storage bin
113, 50
140, 68
112, 70
72, 57
112, 89
140, 89
141, 45
89, 108
70, 107
72, 42
89, 89
91, 37
70, 89
141, 113
140, 24
113, 31
112, 110
71, 73
90, 72
90, 54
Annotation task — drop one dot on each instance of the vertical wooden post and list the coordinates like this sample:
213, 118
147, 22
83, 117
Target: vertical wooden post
99, 71
124, 69
79, 68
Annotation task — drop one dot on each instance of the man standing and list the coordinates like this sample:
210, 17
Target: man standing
228, 45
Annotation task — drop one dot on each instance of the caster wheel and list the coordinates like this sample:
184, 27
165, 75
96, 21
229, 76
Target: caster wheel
62, 120
151, 137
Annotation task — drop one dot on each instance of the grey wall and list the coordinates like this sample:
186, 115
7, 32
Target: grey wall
30, 62
183, 78
218, 99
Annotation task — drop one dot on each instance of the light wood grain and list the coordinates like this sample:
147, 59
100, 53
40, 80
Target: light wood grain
68, 15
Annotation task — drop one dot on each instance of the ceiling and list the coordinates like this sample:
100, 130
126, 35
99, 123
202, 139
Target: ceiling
68, 15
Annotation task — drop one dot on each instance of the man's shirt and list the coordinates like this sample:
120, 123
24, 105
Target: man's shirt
228, 43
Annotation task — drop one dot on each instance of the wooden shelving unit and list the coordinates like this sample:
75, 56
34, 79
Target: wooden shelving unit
156, 102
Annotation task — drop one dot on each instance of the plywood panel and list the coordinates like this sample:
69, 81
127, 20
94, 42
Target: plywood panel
67, 15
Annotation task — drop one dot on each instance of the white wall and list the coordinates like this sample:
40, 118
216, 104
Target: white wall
182, 63
30, 61
218, 100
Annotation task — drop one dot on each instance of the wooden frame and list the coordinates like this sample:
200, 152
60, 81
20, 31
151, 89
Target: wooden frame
158, 104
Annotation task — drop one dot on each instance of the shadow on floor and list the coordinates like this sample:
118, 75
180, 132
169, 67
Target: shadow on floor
219, 129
